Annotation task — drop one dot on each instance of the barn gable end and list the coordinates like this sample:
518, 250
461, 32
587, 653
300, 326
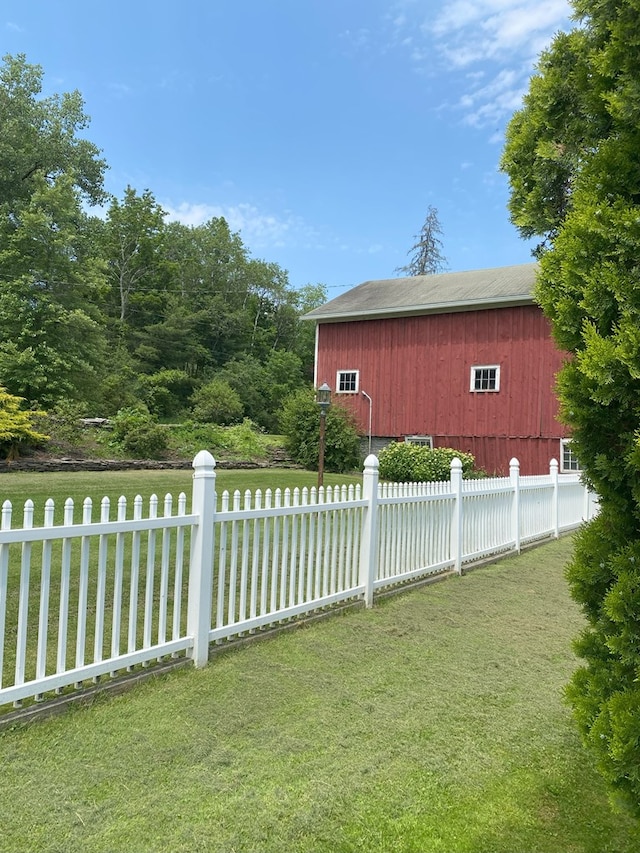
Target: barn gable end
465, 359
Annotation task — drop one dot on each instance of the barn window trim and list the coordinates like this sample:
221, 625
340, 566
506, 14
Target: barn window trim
485, 378
420, 440
569, 462
347, 381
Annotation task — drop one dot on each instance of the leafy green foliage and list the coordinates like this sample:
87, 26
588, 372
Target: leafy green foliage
572, 160
216, 403
300, 424
40, 137
17, 426
131, 308
139, 434
403, 462
167, 392
64, 421
243, 441
132, 237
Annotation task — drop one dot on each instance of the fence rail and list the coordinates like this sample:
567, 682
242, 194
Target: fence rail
83, 600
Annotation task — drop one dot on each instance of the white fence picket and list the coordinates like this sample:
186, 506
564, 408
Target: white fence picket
269, 557
5, 524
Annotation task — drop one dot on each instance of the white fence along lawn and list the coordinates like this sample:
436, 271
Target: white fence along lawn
96, 597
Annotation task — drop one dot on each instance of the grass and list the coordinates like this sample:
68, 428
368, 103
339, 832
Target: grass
18, 486
433, 722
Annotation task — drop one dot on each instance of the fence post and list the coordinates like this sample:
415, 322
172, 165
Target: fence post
553, 474
201, 565
456, 525
514, 476
587, 512
369, 540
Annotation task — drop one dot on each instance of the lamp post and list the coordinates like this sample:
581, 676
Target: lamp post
323, 399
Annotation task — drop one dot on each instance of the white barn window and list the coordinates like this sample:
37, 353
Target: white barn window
568, 460
347, 381
485, 377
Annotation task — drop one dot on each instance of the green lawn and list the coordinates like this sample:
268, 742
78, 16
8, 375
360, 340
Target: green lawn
18, 486
433, 722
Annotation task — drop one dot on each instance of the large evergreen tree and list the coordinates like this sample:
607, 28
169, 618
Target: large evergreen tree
573, 159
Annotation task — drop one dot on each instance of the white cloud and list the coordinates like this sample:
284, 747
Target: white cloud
489, 103
258, 229
470, 31
266, 231
493, 43
16, 28
246, 218
120, 90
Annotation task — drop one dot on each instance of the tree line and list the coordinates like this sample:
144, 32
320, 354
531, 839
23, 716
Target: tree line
106, 303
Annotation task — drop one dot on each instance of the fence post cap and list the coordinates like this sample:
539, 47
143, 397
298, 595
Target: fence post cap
553, 465
456, 464
371, 461
204, 460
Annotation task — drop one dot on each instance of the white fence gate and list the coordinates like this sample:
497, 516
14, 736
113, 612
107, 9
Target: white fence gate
97, 598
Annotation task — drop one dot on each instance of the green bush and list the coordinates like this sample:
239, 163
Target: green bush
137, 433
217, 403
242, 441
166, 392
300, 424
65, 421
402, 462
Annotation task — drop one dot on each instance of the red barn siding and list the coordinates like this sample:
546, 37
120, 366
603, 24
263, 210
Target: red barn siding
417, 372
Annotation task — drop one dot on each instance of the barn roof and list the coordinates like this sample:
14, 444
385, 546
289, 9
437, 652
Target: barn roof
431, 294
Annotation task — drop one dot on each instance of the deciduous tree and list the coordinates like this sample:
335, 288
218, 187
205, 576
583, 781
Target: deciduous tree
51, 340
132, 245
40, 138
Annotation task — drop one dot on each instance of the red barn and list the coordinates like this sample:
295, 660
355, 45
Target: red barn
463, 360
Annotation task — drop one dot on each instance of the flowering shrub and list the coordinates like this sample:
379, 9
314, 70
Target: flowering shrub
402, 462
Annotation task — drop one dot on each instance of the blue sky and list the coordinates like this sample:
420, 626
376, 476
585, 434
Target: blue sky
321, 129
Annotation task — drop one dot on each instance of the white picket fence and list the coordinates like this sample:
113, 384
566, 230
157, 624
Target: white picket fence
99, 598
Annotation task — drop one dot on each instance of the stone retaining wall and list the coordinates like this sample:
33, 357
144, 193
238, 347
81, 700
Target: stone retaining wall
43, 465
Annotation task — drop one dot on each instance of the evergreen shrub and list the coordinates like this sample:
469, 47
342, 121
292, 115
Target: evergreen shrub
17, 426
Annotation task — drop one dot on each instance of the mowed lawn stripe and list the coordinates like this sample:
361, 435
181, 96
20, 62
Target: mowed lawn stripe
433, 722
